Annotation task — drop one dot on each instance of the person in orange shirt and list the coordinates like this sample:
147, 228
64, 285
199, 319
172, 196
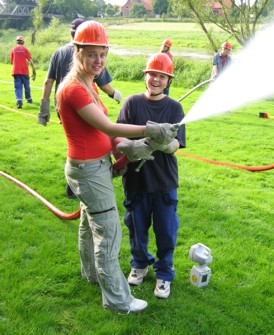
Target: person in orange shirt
20, 58
88, 168
165, 48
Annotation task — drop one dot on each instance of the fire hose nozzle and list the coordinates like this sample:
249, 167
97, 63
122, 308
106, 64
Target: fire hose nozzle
175, 127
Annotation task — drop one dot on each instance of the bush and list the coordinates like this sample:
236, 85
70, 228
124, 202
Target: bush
126, 68
189, 73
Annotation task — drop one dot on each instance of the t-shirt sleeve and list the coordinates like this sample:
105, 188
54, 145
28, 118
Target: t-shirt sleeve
77, 96
214, 59
28, 55
104, 78
52, 68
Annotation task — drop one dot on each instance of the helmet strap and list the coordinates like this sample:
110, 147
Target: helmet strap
153, 95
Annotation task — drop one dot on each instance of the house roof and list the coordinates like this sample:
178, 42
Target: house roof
147, 3
217, 5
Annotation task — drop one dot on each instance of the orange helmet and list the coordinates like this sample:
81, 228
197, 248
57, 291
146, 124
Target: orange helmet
20, 38
167, 43
91, 33
227, 45
161, 63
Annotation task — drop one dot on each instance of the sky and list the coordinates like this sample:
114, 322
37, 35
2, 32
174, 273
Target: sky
116, 2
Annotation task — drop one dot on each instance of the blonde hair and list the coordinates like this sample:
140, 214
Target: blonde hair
77, 73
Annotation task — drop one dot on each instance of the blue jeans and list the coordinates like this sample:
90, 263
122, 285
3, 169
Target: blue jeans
21, 81
99, 236
160, 208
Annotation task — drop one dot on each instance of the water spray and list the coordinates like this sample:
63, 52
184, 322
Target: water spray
247, 79
244, 81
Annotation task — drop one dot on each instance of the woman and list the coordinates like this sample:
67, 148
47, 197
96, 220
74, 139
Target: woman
89, 170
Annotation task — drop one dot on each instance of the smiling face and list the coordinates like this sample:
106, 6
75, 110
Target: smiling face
156, 82
94, 59
225, 51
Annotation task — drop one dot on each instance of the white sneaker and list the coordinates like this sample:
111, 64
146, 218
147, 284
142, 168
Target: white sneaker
162, 289
136, 276
137, 305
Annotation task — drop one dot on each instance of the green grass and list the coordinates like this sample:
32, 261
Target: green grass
229, 210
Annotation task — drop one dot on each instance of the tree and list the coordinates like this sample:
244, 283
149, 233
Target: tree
37, 18
75, 8
138, 10
110, 10
238, 18
160, 6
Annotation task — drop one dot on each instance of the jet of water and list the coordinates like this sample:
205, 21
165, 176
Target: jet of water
249, 78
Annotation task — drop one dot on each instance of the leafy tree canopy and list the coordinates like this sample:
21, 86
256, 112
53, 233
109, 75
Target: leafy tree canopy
138, 10
160, 6
238, 18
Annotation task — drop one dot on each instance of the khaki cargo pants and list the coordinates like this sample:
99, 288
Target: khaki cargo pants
100, 234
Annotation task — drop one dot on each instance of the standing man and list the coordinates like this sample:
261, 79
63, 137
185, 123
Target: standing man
221, 60
20, 58
151, 194
165, 48
59, 66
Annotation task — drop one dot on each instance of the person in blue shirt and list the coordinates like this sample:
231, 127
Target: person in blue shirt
221, 60
151, 194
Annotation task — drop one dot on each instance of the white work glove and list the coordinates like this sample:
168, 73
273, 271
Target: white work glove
160, 132
116, 96
135, 150
44, 114
166, 148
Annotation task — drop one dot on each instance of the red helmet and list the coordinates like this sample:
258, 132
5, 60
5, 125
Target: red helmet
227, 45
91, 33
167, 43
161, 63
20, 38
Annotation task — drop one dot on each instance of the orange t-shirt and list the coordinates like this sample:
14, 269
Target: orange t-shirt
84, 141
170, 55
18, 58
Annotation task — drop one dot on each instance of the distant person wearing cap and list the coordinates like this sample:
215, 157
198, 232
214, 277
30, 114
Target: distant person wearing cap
151, 194
20, 59
59, 66
221, 60
165, 48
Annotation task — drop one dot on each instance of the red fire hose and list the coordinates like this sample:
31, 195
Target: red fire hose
120, 163
248, 168
53, 209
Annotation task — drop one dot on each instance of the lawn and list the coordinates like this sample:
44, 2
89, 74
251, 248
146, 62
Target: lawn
228, 209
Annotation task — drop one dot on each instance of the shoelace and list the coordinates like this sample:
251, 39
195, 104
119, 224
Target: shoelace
162, 286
